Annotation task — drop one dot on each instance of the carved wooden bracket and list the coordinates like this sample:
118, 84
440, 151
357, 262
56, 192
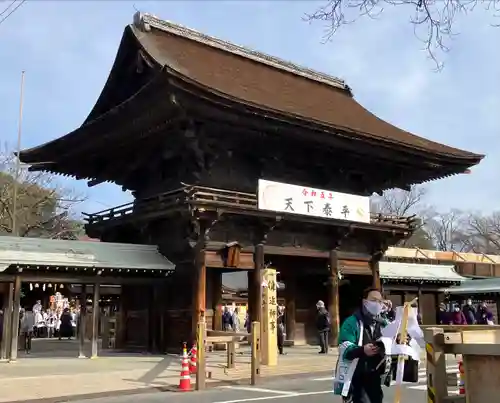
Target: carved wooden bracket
379, 251
264, 228
202, 222
341, 235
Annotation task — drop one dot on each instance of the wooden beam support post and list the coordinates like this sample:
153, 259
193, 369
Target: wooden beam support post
200, 282
374, 267
290, 310
333, 296
81, 322
95, 320
14, 325
258, 259
217, 299
8, 303
378, 252
202, 225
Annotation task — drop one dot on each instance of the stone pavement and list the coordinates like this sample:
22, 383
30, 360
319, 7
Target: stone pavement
53, 373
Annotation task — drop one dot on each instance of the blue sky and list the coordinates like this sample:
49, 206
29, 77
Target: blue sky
67, 49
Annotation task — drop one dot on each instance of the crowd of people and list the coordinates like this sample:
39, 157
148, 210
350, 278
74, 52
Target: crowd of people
57, 320
466, 314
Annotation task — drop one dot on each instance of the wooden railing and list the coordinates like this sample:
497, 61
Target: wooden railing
200, 196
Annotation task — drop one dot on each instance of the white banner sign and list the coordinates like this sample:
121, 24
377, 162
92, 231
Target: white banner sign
282, 197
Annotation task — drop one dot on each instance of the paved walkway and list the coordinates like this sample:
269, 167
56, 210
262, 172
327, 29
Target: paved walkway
52, 371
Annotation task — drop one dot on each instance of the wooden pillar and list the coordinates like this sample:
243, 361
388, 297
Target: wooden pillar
8, 302
95, 320
81, 322
200, 284
15, 319
333, 295
374, 266
290, 290
154, 318
251, 296
217, 299
419, 303
258, 259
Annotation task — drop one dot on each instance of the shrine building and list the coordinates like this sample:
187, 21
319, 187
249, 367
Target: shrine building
239, 161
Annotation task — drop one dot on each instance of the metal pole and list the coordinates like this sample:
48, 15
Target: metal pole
256, 354
201, 365
15, 229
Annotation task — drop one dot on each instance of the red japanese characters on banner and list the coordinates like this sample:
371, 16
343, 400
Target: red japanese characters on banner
315, 193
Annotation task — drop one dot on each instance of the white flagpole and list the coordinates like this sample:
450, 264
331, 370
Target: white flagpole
15, 228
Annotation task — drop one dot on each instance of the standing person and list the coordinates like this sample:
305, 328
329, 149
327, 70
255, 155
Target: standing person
444, 317
227, 319
280, 324
357, 340
248, 323
51, 321
484, 315
37, 307
235, 320
469, 312
323, 324
26, 329
66, 327
457, 316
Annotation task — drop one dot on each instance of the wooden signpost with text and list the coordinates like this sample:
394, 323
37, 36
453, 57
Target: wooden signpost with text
269, 329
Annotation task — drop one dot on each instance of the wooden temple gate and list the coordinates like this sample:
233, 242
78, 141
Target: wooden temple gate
191, 140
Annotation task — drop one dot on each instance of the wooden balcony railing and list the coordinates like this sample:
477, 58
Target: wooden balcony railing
200, 196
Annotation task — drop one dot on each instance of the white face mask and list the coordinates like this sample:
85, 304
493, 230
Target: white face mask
373, 307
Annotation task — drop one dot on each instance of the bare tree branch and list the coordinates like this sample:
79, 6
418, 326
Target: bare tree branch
402, 203
484, 232
43, 207
448, 231
399, 202
433, 20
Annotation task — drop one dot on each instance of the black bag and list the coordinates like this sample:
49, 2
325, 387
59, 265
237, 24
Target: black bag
410, 373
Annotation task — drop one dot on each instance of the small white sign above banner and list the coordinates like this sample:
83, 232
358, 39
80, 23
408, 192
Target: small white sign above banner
286, 198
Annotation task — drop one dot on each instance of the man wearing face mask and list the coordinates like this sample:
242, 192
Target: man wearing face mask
366, 382
469, 312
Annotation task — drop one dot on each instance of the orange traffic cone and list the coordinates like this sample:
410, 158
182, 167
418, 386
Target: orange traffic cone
461, 378
185, 381
192, 360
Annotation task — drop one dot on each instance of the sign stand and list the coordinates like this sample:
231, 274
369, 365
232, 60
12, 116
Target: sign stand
269, 316
402, 338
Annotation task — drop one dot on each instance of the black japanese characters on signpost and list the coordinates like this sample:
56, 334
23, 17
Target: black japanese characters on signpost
327, 210
288, 204
345, 211
309, 205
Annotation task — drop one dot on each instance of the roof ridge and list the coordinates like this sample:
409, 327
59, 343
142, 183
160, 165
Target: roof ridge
145, 21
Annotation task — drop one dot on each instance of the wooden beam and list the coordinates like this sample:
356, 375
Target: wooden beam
257, 282
200, 283
81, 323
8, 303
333, 295
95, 321
15, 319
